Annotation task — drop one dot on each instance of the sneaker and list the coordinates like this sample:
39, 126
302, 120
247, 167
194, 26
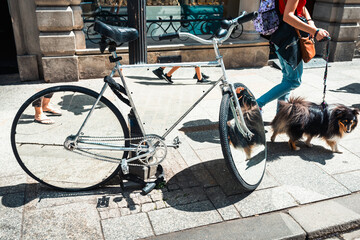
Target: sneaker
159, 72
203, 81
167, 78
203, 76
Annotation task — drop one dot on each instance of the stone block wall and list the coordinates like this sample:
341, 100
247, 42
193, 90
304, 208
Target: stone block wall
341, 18
60, 25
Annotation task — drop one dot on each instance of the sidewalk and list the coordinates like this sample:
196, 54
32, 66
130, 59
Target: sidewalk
311, 193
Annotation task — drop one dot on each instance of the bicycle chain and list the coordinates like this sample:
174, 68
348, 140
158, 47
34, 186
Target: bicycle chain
112, 139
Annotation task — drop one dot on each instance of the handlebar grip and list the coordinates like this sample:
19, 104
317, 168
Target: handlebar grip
169, 36
247, 17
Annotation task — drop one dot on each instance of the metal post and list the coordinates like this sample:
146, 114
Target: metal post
137, 19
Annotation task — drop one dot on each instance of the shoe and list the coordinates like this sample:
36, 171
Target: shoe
203, 81
203, 76
167, 78
159, 72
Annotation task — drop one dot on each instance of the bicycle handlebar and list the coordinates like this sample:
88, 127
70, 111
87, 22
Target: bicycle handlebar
226, 24
246, 17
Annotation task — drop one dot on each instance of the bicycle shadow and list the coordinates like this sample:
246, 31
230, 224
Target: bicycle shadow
14, 196
208, 181
202, 130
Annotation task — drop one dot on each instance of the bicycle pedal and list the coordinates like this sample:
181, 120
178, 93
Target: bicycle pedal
176, 141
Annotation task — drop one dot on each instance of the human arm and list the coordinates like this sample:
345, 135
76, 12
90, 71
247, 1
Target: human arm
290, 18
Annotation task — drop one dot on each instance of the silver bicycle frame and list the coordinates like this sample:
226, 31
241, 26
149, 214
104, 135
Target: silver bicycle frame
226, 86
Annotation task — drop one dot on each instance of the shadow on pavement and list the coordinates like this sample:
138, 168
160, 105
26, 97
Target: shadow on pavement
187, 187
319, 154
351, 88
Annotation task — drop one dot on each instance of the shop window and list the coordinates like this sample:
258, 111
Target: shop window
200, 17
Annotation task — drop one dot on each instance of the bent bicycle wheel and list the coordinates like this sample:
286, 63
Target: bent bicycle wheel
246, 158
51, 154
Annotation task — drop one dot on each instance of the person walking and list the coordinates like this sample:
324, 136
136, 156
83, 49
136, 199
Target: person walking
199, 76
292, 13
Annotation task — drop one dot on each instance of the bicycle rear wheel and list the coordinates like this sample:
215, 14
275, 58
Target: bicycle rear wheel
245, 158
43, 151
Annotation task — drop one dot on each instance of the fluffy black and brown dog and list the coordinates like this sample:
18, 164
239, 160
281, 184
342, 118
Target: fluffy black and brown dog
299, 117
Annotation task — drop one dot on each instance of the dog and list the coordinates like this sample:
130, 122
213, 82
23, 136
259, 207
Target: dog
298, 117
253, 121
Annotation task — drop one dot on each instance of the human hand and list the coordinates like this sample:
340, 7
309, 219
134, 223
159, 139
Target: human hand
321, 34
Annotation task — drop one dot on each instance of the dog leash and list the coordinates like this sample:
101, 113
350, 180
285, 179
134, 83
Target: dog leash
324, 104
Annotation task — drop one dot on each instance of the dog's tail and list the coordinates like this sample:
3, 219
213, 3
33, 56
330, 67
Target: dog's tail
295, 111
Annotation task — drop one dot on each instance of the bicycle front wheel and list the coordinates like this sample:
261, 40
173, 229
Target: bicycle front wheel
51, 154
246, 158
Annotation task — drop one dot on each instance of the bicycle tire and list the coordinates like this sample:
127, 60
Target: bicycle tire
40, 148
246, 159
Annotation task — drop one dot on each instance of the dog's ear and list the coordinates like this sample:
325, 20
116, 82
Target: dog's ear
356, 111
338, 112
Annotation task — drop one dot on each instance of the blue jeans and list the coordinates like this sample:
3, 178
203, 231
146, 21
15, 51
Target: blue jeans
291, 80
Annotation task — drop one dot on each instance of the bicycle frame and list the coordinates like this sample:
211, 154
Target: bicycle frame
226, 86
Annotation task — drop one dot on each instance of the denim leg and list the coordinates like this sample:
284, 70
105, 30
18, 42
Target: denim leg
291, 80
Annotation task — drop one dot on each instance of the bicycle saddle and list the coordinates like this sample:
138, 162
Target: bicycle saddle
115, 33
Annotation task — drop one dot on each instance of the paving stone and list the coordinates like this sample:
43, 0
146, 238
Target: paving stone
203, 139
339, 163
354, 235
351, 201
263, 201
305, 181
76, 220
113, 212
268, 181
12, 184
147, 207
224, 177
125, 211
11, 211
203, 176
350, 180
271, 226
222, 203
183, 217
324, 218
127, 227
160, 205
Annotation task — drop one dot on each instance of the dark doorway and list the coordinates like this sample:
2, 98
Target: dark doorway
8, 62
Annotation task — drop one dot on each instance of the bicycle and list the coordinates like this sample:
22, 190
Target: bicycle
73, 154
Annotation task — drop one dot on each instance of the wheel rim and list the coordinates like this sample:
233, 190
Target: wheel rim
247, 158
42, 149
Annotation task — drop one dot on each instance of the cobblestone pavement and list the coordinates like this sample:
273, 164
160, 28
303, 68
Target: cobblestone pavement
299, 190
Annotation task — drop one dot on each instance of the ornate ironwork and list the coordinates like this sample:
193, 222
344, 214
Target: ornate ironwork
198, 26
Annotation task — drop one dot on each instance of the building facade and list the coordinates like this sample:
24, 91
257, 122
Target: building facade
54, 40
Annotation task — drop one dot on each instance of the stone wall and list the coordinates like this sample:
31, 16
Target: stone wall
26, 35
357, 48
341, 19
60, 25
